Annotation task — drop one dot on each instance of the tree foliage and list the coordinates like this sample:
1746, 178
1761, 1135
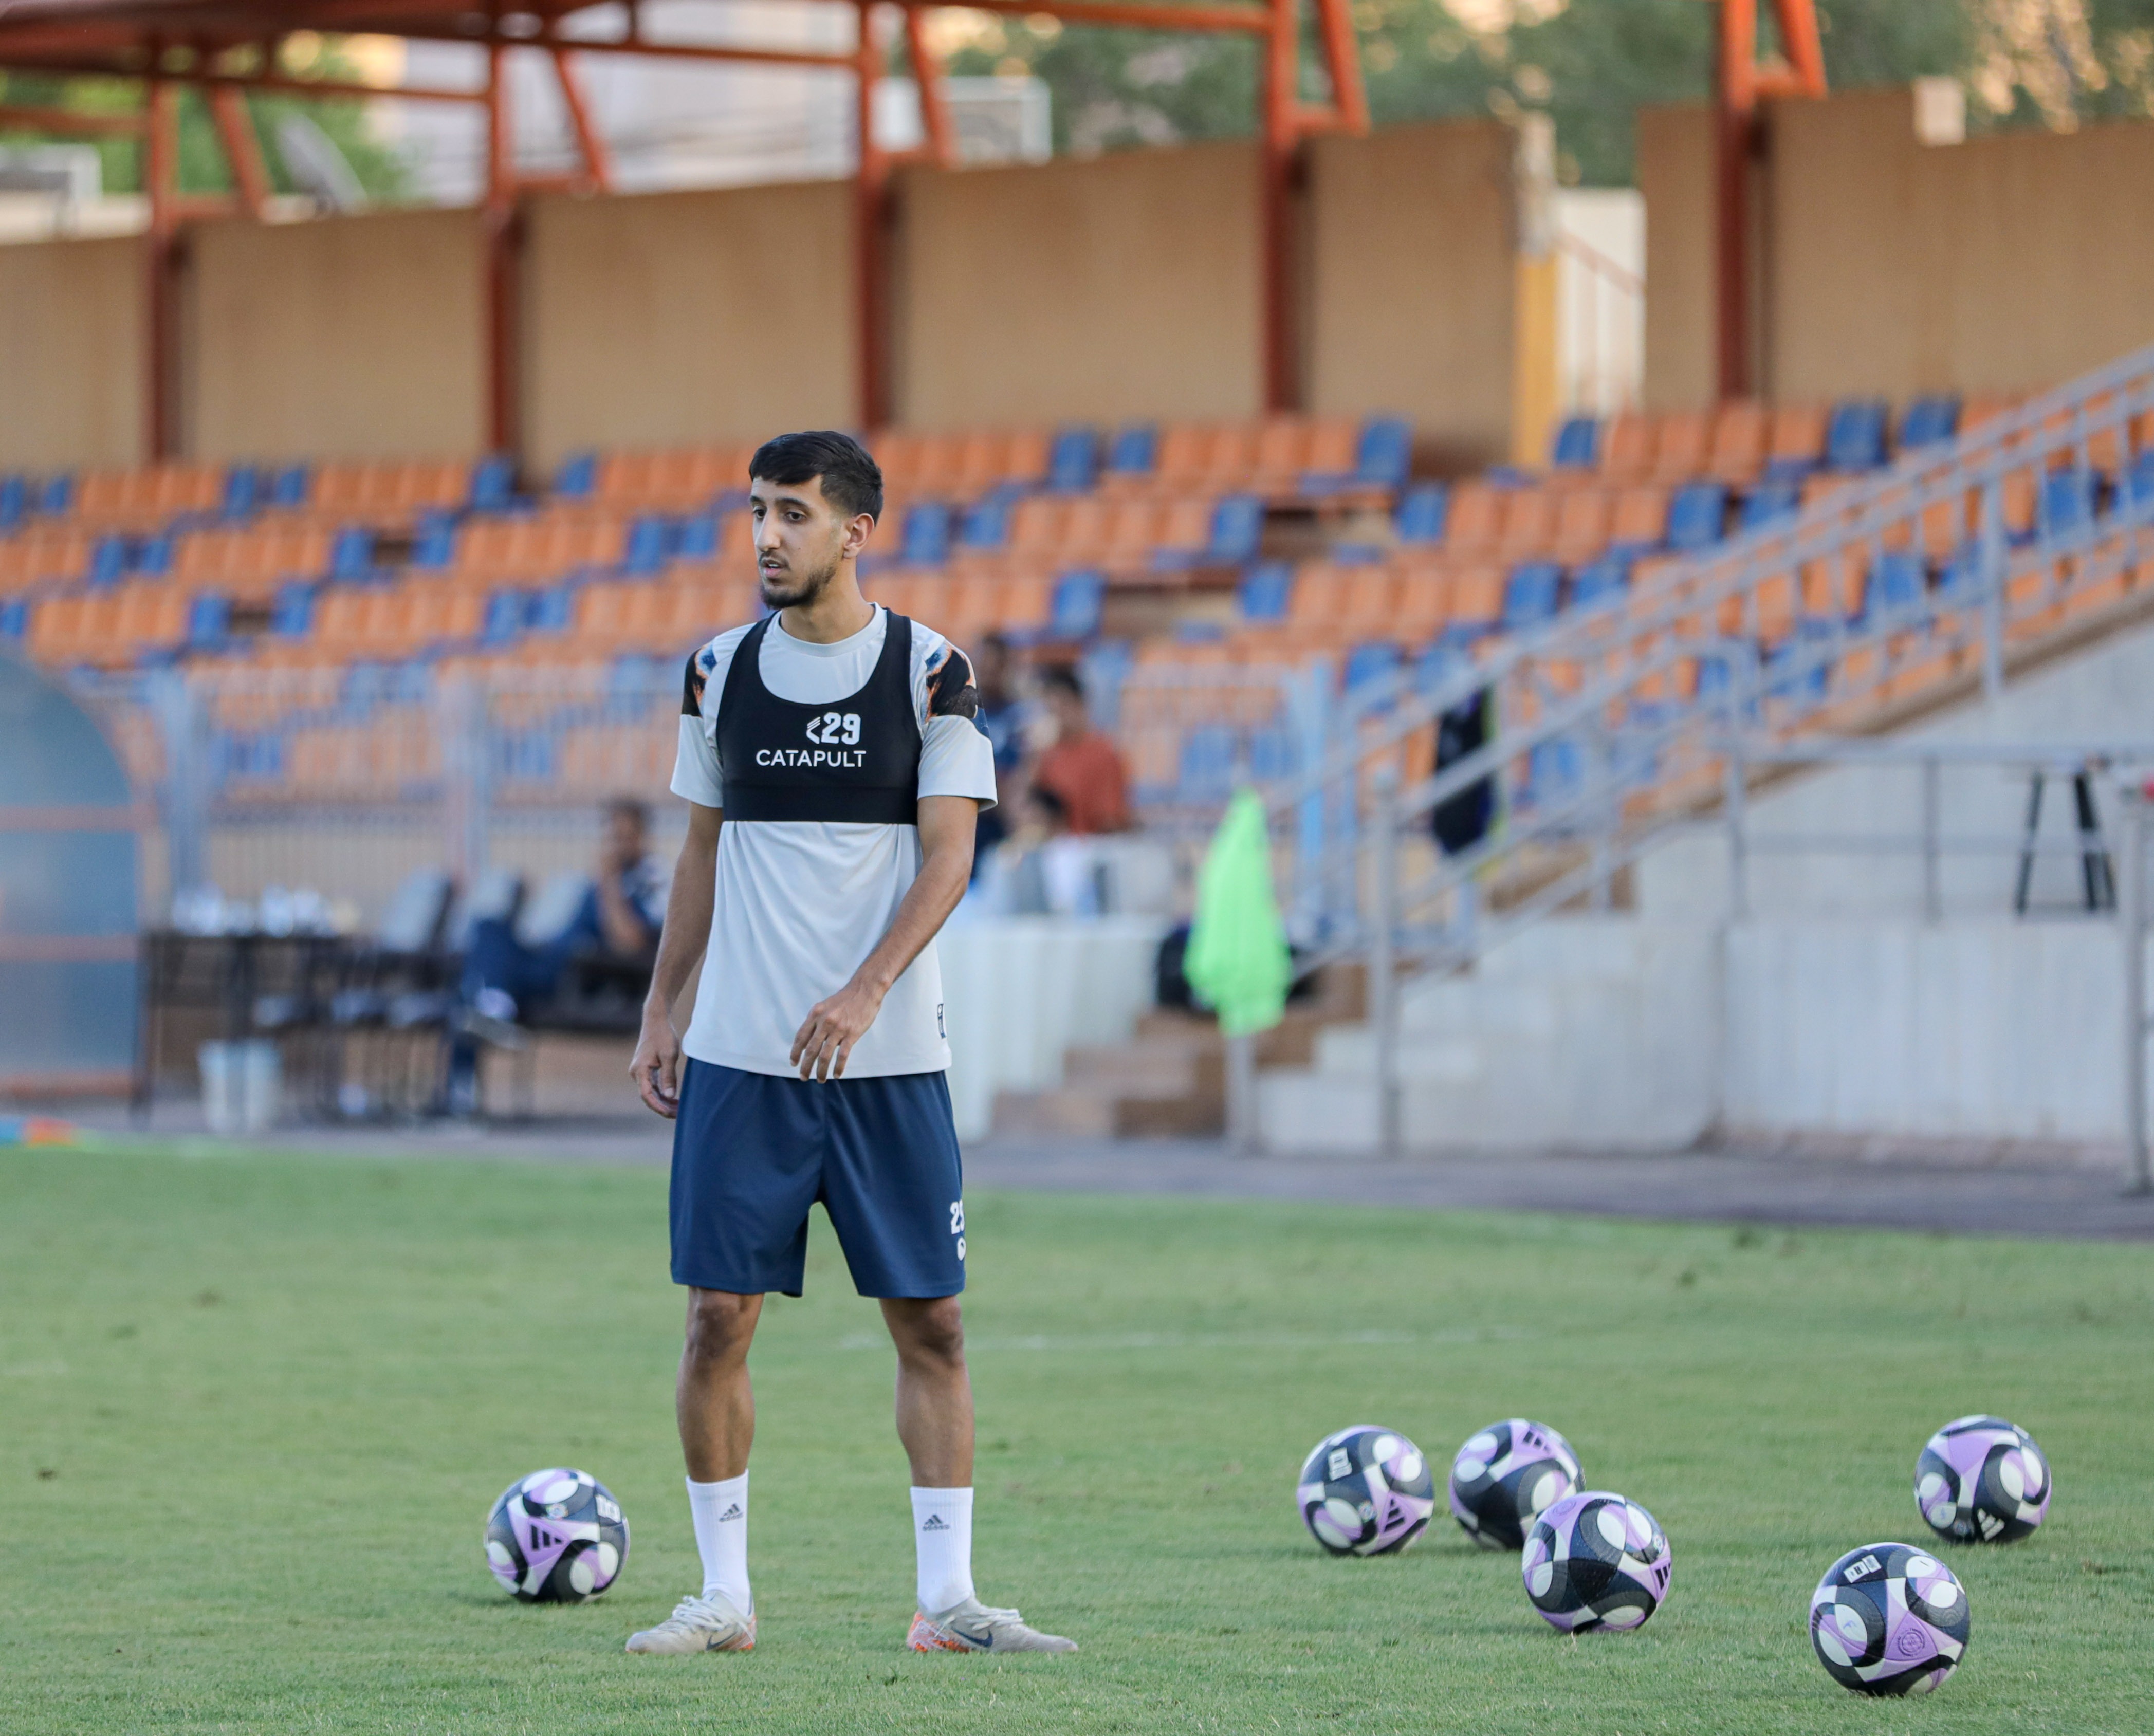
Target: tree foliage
1590, 64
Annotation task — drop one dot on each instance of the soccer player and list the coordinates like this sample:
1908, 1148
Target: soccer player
834, 777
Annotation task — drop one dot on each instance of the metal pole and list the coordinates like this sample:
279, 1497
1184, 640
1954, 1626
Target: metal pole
1993, 591
2132, 913
1738, 850
1932, 896
1242, 1094
1383, 966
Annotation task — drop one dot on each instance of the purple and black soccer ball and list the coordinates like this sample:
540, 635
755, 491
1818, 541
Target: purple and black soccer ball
1889, 1619
1982, 1480
1596, 1559
556, 1536
1506, 1476
1365, 1491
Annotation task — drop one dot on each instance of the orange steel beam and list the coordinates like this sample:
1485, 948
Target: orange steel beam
590, 144
282, 85
1281, 132
1342, 61
871, 212
1738, 84
243, 149
1253, 20
498, 214
934, 106
69, 121
161, 163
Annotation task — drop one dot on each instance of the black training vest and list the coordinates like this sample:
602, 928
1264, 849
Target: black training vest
855, 759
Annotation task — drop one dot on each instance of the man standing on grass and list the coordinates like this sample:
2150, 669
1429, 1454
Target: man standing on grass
834, 777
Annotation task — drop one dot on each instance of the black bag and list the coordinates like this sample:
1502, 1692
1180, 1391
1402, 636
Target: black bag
1462, 820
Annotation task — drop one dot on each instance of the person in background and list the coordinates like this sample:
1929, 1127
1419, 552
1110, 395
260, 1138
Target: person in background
991, 669
1083, 768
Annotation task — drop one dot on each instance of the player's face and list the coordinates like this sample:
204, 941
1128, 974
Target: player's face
800, 540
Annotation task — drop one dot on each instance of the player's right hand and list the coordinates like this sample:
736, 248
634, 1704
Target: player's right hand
656, 1067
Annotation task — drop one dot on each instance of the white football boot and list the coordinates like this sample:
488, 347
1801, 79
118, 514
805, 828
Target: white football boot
972, 1626
698, 1624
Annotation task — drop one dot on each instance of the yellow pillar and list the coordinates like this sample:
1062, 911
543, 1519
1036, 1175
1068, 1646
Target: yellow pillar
1534, 389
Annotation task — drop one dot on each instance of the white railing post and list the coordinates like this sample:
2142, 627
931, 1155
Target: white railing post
1932, 893
2131, 914
1993, 589
182, 722
460, 705
1383, 964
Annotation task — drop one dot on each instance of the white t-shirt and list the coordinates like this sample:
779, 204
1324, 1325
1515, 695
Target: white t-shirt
799, 904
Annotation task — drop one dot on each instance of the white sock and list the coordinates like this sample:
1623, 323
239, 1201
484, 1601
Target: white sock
720, 1510
943, 1534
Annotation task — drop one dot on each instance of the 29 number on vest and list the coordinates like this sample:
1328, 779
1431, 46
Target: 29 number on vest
835, 729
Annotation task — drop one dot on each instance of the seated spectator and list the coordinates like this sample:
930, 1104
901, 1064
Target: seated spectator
1083, 768
622, 911
998, 721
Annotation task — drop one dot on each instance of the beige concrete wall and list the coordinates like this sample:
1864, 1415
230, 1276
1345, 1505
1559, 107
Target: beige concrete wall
1120, 288
71, 343
1412, 284
356, 338
1675, 172
672, 318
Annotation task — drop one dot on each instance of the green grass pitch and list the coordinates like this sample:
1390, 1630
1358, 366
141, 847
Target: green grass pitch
252, 1411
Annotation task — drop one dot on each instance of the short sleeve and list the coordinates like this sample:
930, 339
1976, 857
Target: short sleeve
955, 756
698, 775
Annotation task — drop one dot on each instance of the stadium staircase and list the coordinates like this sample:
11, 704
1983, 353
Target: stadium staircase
1624, 720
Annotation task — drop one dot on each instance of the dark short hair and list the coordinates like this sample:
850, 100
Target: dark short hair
852, 481
1061, 677
634, 807
1048, 802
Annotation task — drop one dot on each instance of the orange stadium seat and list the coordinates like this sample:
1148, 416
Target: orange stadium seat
43, 554
1582, 524
1477, 596
139, 499
1797, 441
250, 563
1681, 446
1641, 518
1627, 449
1739, 439
1529, 518
1476, 522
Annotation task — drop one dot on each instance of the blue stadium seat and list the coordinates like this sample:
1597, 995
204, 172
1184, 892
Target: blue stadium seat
577, 477
1898, 585
985, 525
1075, 613
153, 556
1371, 661
108, 562
292, 612
493, 484
697, 538
550, 610
2136, 487
1531, 593
1383, 454
1450, 654
434, 547
650, 543
1929, 420
57, 497
1601, 582
1855, 437
1237, 527
924, 539
1697, 517
1768, 504
504, 618
1422, 513
1553, 768
209, 618
15, 618
1577, 444
1073, 460
242, 486
1265, 591
288, 488
1962, 577
1204, 770
15, 501
1135, 450
2067, 502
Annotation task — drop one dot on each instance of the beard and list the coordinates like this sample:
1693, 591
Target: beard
795, 588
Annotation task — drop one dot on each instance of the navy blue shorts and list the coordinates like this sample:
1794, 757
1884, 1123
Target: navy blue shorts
752, 1151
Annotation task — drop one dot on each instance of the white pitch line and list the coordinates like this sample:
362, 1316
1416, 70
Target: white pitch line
1205, 1340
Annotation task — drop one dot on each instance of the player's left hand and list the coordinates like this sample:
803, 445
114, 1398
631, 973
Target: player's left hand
827, 1036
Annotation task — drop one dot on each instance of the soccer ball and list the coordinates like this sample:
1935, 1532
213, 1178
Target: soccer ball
1505, 1475
1981, 1478
556, 1537
1365, 1491
1595, 1561
1889, 1619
